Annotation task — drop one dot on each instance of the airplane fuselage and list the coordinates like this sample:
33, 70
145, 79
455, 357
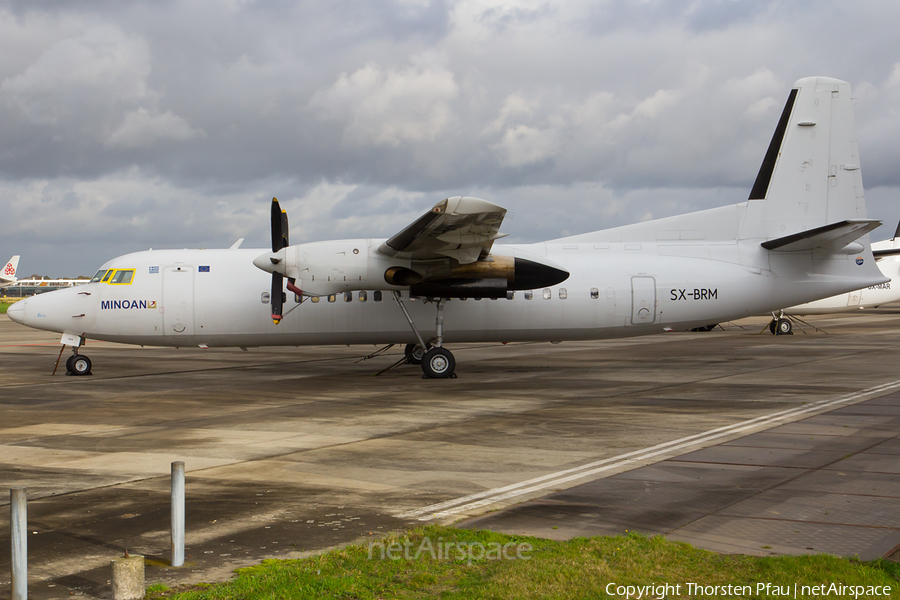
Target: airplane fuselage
219, 298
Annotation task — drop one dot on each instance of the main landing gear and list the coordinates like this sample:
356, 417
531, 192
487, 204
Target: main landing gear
437, 362
780, 325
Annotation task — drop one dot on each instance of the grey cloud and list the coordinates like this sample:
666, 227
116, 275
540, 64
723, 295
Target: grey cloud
361, 115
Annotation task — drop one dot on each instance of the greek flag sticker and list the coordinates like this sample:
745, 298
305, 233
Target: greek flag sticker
154, 270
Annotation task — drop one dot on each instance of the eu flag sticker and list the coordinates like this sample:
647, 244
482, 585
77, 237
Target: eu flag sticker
204, 269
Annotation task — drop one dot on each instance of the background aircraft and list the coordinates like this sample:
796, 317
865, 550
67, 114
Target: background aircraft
8, 274
801, 235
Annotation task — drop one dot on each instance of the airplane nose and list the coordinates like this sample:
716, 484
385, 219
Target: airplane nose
16, 312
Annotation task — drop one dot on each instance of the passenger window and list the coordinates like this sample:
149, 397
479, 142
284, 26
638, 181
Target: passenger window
376, 295
314, 299
332, 298
348, 296
595, 293
362, 296
529, 294
563, 294
547, 294
122, 277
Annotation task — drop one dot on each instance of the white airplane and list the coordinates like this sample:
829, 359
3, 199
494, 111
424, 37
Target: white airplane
8, 274
887, 255
801, 235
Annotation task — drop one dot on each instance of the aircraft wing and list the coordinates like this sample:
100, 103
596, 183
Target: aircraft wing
462, 227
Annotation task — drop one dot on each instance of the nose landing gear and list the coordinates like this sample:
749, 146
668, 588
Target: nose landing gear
78, 364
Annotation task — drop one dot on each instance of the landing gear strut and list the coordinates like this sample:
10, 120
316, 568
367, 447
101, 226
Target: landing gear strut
437, 362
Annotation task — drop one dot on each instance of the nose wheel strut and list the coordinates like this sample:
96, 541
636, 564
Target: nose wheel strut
77, 364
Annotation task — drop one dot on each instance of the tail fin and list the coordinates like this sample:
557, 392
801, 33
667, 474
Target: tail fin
810, 176
8, 274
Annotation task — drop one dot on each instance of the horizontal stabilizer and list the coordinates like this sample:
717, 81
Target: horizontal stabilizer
833, 237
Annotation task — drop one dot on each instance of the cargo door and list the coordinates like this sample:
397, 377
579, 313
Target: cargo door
178, 301
643, 300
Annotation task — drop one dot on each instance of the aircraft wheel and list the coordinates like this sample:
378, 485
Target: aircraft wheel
70, 368
773, 327
414, 354
438, 363
784, 327
80, 365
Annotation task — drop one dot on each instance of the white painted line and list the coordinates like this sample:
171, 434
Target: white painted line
480, 499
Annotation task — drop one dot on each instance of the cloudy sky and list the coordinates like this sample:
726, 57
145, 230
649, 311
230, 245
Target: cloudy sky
133, 124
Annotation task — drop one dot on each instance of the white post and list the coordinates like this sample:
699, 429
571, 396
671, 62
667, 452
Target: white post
177, 513
18, 525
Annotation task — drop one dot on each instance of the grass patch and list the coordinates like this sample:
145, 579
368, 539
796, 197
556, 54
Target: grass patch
579, 568
4, 304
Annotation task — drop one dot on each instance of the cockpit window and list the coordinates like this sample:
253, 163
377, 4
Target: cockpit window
107, 276
122, 277
98, 276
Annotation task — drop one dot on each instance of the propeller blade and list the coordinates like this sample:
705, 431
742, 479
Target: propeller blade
277, 296
279, 241
278, 231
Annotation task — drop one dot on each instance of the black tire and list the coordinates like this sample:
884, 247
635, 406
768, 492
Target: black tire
438, 363
784, 327
70, 368
81, 365
773, 324
414, 354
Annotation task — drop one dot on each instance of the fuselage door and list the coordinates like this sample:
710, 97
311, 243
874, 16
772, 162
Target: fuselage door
178, 300
643, 300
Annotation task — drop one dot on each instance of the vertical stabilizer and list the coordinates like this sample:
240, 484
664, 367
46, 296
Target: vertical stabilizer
810, 176
8, 274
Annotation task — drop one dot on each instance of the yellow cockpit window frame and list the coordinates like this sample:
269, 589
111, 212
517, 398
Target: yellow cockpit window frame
117, 271
107, 275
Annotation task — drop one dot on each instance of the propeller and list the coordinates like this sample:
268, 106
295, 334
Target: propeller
279, 242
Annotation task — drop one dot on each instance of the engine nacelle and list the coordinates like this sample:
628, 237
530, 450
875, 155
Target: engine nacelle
492, 277
326, 268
